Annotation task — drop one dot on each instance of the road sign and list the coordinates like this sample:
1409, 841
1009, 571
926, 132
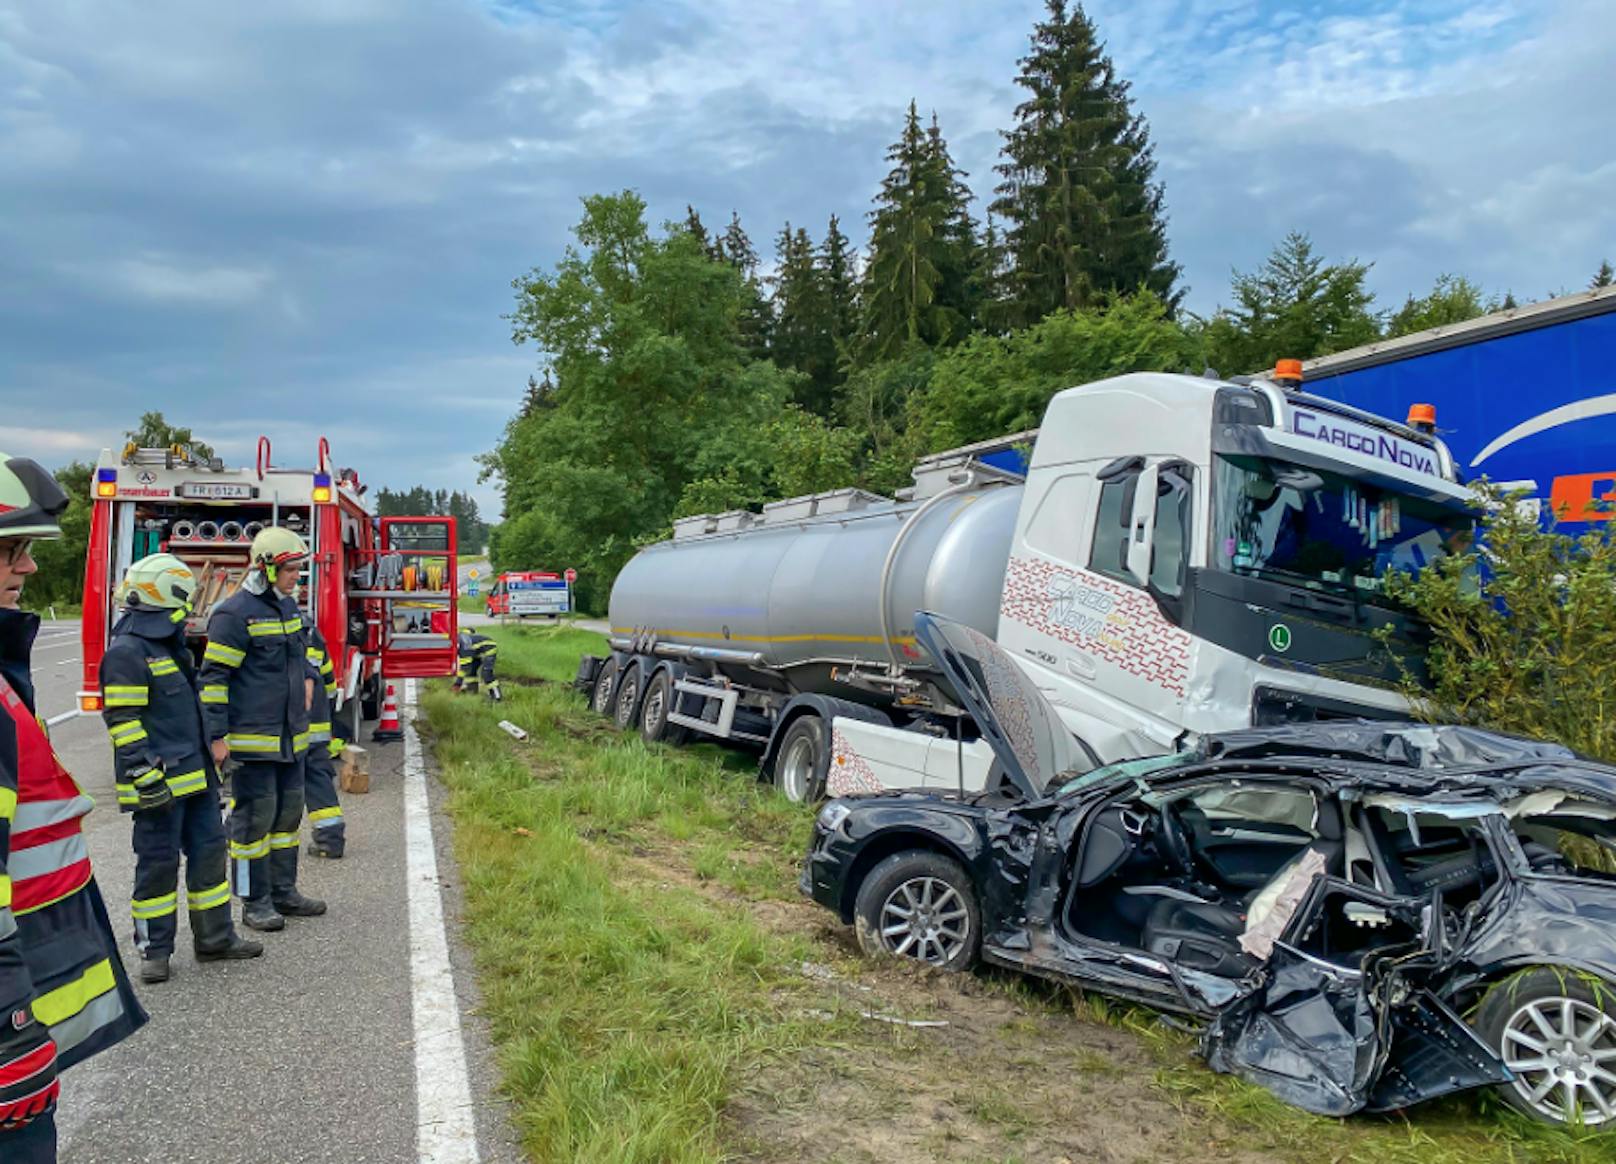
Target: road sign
472, 589
472, 574
570, 575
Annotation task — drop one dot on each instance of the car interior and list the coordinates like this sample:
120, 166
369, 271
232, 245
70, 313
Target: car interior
1183, 873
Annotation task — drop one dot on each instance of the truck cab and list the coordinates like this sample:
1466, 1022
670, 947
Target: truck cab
1193, 555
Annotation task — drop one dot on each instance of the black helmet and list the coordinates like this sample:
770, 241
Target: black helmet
30, 500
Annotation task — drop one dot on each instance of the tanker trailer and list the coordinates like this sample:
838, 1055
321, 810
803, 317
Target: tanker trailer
1167, 555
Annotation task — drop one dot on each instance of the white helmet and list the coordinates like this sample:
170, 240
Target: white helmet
158, 582
275, 547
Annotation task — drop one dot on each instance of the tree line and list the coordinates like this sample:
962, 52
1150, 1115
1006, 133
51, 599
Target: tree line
471, 530
681, 377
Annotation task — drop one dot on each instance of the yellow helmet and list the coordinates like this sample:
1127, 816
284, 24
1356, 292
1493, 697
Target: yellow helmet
158, 582
275, 547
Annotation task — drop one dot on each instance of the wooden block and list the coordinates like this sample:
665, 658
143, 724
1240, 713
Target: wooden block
354, 775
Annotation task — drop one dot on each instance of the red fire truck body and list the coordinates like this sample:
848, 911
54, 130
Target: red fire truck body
381, 590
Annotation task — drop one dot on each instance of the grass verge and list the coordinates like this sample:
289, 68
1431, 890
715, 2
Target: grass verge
633, 915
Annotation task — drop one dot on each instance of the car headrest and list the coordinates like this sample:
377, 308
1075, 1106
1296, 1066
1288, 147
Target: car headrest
1329, 824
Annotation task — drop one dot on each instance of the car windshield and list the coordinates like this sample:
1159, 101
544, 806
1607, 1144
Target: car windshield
1324, 531
1125, 770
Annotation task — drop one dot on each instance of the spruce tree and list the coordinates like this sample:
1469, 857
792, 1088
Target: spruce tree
756, 322
1082, 212
920, 231
1604, 277
697, 228
838, 275
802, 337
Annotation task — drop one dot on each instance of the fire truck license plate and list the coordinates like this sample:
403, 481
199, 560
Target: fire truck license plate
217, 490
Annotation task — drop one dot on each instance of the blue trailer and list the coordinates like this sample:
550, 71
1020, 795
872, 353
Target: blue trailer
1525, 397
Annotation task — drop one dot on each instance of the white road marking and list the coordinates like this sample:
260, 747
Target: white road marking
63, 718
63, 641
445, 1131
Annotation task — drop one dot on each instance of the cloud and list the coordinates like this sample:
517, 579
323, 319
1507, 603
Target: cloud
303, 218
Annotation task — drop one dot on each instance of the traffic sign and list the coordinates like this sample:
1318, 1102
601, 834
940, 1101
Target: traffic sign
472, 574
570, 575
472, 589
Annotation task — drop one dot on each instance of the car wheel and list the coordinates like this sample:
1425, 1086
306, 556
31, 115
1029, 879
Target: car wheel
803, 760
654, 709
605, 686
1555, 1029
919, 905
626, 703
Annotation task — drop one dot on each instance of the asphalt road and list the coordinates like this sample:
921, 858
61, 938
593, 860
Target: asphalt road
305, 1054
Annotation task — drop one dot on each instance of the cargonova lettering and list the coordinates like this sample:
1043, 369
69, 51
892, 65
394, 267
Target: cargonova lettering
1360, 438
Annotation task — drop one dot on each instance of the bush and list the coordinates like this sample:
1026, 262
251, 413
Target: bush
1531, 648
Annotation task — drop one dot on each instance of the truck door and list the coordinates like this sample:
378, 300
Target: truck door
415, 584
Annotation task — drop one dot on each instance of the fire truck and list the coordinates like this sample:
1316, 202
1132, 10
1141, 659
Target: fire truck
381, 590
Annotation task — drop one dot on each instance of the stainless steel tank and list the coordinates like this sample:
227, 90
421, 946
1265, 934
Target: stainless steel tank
801, 587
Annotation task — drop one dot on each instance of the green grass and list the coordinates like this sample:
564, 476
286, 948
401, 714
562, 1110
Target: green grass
625, 1009
470, 605
633, 991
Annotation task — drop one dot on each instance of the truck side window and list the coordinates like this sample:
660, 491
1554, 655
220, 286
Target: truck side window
1109, 553
1172, 534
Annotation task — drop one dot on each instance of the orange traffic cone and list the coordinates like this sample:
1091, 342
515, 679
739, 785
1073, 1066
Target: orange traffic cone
388, 729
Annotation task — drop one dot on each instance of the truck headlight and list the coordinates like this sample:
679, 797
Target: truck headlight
832, 816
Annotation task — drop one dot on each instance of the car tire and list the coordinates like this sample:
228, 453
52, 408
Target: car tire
600, 696
657, 702
1555, 1028
802, 761
626, 699
933, 897
370, 698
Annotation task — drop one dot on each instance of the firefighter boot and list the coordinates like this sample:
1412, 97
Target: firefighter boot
154, 969
234, 949
294, 904
258, 914
493, 692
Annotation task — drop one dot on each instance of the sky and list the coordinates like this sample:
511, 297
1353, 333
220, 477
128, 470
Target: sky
303, 218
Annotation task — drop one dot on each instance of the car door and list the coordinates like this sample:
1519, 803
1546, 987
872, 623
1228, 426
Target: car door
1335, 1036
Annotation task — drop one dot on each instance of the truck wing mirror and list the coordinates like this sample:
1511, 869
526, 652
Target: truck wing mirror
1118, 467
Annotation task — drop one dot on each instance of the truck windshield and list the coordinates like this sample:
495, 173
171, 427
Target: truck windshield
1315, 529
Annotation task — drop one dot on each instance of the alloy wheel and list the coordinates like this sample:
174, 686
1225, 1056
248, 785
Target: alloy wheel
1562, 1052
925, 918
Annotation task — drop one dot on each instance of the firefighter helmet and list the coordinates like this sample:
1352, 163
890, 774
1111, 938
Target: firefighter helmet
161, 582
31, 502
275, 547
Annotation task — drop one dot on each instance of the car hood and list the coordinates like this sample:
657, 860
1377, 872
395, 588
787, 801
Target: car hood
1020, 725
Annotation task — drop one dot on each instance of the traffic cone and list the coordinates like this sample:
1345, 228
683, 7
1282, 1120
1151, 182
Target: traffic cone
388, 729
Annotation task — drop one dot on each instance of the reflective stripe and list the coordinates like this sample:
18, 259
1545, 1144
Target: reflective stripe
250, 850
314, 655
127, 733
147, 778
333, 813
47, 858
55, 1006
8, 924
8, 803
144, 909
163, 666
5, 891
465, 662
248, 742
125, 696
319, 733
100, 1011
215, 693
292, 625
300, 742
260, 630
37, 814
188, 782
219, 653
127, 795
208, 898
283, 840
330, 690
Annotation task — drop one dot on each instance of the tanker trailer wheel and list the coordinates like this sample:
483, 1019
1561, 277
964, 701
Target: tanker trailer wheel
626, 703
660, 699
600, 698
801, 764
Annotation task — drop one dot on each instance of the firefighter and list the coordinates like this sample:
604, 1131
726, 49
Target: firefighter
477, 657
64, 995
329, 831
164, 771
256, 693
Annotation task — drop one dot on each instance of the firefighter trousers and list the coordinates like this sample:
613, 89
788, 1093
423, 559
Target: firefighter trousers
264, 822
188, 827
329, 830
33, 1143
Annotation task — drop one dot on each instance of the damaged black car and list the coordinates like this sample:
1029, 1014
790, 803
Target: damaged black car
1359, 915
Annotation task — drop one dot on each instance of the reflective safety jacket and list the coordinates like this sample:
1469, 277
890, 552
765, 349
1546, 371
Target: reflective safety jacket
150, 705
324, 673
58, 955
252, 676
477, 652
